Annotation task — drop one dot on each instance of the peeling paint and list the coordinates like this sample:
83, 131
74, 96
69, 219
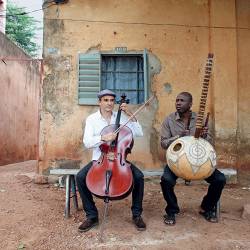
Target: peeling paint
168, 87
57, 92
94, 48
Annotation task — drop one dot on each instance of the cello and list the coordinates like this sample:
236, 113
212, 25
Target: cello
110, 177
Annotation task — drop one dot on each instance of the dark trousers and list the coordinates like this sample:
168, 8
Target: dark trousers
87, 198
217, 182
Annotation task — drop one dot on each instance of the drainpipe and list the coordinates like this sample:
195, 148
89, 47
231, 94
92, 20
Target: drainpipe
2, 15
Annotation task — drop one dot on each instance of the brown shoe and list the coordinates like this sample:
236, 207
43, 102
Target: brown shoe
88, 224
139, 223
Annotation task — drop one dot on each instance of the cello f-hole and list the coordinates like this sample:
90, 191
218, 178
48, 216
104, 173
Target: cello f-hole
121, 161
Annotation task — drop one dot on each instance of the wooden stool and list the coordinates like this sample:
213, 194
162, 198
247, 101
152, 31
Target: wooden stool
70, 188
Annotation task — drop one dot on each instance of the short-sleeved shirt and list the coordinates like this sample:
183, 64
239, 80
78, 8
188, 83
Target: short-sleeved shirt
173, 126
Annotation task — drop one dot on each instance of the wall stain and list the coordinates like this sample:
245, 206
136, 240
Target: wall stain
56, 94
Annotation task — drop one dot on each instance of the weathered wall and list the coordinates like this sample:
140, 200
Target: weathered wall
178, 37
225, 87
243, 45
19, 99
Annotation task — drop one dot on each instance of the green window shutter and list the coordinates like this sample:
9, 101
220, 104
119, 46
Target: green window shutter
145, 69
88, 78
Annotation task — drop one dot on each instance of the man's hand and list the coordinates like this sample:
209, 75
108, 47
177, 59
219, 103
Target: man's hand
124, 108
108, 137
204, 132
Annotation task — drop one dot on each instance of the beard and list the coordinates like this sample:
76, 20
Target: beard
182, 111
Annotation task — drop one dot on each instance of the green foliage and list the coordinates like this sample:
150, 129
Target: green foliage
21, 28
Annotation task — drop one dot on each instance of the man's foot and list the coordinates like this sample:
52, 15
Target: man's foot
139, 223
88, 224
209, 216
169, 219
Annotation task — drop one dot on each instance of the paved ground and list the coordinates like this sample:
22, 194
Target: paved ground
31, 217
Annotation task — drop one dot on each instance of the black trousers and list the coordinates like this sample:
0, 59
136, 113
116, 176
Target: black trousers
87, 198
217, 182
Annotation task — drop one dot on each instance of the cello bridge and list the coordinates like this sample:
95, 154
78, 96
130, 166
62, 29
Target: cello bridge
111, 156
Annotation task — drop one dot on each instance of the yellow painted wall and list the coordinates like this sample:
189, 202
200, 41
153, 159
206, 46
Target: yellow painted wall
243, 66
178, 34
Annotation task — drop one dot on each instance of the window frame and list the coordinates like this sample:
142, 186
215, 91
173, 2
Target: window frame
84, 57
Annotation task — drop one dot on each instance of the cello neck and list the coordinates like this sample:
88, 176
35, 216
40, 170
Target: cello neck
118, 118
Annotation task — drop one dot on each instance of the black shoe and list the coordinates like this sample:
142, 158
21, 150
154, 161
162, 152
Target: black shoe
88, 224
139, 223
169, 219
209, 216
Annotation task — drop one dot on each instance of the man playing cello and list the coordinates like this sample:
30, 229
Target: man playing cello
92, 139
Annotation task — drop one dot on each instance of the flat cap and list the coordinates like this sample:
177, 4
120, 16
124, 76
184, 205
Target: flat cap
105, 92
